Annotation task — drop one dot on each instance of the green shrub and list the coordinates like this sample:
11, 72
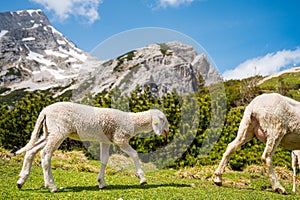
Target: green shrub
196, 136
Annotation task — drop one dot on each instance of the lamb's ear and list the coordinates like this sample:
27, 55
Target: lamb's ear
155, 124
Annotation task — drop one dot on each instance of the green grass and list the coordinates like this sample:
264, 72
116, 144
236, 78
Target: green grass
290, 80
80, 182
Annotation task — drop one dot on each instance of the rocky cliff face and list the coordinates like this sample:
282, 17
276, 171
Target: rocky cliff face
162, 67
35, 56
33, 53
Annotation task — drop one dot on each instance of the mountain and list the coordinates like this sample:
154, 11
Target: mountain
35, 56
162, 67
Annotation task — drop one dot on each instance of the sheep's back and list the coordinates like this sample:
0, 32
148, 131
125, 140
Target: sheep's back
276, 112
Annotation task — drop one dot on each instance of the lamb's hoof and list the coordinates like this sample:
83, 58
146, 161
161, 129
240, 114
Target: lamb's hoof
102, 186
54, 189
281, 191
144, 183
217, 180
218, 183
19, 185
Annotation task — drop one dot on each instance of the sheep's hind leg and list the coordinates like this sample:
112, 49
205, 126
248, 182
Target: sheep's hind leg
266, 158
104, 155
243, 136
27, 163
294, 167
133, 154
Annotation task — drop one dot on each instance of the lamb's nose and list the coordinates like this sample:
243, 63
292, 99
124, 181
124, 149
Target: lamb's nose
166, 132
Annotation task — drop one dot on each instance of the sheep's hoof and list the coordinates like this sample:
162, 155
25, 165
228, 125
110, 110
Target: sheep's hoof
218, 183
53, 189
281, 191
217, 180
144, 183
19, 185
102, 186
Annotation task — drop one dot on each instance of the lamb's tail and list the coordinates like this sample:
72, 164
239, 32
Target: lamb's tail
34, 136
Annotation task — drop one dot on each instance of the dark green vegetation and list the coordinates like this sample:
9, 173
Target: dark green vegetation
164, 49
10, 74
208, 120
75, 177
126, 57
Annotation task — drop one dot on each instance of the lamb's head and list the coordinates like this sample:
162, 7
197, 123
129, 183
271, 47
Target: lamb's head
159, 122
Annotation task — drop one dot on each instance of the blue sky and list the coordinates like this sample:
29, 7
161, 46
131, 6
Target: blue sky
243, 38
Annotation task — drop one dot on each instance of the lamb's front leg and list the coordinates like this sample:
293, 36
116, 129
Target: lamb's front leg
133, 154
104, 155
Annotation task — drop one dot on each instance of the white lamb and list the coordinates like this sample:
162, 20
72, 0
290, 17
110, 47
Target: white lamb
295, 162
273, 119
86, 123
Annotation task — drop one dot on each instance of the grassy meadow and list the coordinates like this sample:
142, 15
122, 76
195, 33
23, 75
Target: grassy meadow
75, 176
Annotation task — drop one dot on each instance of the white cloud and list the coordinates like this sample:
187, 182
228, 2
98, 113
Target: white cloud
266, 65
173, 3
63, 9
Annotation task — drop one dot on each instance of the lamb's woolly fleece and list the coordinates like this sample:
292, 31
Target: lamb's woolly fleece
80, 122
87, 123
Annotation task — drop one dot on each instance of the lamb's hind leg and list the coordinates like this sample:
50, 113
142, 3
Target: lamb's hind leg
133, 154
243, 136
271, 145
46, 154
27, 163
104, 155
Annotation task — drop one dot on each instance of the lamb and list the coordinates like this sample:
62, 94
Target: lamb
86, 123
275, 120
295, 162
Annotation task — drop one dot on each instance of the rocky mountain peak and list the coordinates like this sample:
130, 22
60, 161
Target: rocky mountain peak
22, 19
162, 67
33, 52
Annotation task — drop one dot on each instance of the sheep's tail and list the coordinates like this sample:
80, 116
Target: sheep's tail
34, 136
246, 120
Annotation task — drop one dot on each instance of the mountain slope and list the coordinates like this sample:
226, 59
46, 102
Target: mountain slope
162, 67
291, 70
33, 54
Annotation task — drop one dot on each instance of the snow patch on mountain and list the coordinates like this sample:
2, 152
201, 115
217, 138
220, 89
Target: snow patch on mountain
2, 33
39, 58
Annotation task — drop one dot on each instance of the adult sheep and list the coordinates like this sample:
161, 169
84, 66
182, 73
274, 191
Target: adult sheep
273, 119
86, 123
